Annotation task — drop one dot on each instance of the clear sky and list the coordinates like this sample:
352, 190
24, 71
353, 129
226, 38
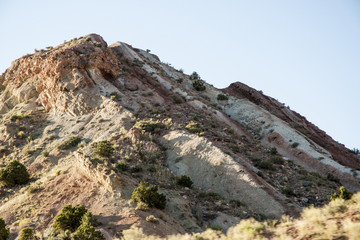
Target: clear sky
304, 53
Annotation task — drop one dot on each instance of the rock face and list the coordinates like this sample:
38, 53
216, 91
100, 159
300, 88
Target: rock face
210, 168
65, 78
338, 151
238, 149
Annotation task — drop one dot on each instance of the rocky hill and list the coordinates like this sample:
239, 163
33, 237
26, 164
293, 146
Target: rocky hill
90, 122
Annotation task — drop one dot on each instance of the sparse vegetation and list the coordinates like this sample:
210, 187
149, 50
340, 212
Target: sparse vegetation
193, 127
210, 196
265, 164
15, 173
104, 149
273, 151
176, 99
135, 169
4, 231
77, 219
45, 153
294, 145
137, 62
114, 96
86, 230
355, 151
70, 142
222, 97
122, 166
199, 85
152, 219
342, 194
288, 192
149, 196
277, 160
150, 126
338, 220
234, 147
195, 76
185, 181
13, 118
27, 234
21, 135
69, 218
216, 227
332, 178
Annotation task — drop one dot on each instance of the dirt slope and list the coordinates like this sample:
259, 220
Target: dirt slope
159, 127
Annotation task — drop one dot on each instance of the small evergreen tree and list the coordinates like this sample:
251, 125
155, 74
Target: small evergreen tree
27, 234
15, 173
86, 230
69, 218
149, 196
199, 85
195, 76
185, 181
104, 149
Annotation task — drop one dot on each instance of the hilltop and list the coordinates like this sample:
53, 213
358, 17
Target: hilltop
91, 121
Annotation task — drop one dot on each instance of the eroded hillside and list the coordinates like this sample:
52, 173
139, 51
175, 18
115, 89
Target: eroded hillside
91, 121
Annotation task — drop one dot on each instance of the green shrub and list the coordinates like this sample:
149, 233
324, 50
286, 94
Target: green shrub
122, 166
195, 76
177, 100
185, 181
114, 96
343, 194
137, 62
288, 192
27, 234
152, 168
235, 148
235, 203
22, 128
15, 173
210, 196
355, 151
277, 160
86, 230
199, 85
69, 218
149, 126
45, 153
216, 227
136, 168
265, 165
222, 97
149, 196
295, 144
193, 127
273, 151
13, 118
70, 142
21, 135
104, 149
4, 232
332, 178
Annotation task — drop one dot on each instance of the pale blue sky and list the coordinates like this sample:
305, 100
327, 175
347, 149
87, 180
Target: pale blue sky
305, 53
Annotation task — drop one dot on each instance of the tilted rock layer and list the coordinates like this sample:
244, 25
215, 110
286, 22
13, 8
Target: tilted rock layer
237, 149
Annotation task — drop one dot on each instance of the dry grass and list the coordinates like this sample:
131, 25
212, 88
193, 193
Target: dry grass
340, 219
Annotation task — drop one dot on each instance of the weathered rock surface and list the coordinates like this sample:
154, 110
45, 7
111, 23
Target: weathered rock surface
97, 92
210, 168
338, 151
